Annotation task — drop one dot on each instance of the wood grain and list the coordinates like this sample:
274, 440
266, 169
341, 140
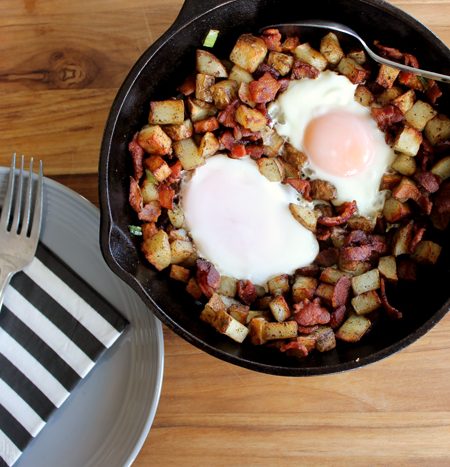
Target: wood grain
61, 63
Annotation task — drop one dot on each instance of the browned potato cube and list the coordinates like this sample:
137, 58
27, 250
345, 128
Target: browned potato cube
227, 286
442, 168
279, 285
387, 265
406, 165
158, 167
293, 156
325, 292
305, 53
405, 190
176, 216
249, 52
209, 145
354, 268
437, 129
272, 141
284, 330
193, 289
271, 168
153, 140
256, 331
240, 75
370, 280
323, 190
303, 287
149, 192
366, 302
419, 115
188, 153
166, 112
331, 275
250, 118
405, 101
325, 339
156, 250
244, 95
353, 328
209, 64
394, 210
408, 141
387, 75
200, 110
364, 96
224, 93
181, 250
203, 85
354, 72
359, 56
305, 216
389, 95
402, 240
331, 49
280, 309
365, 224
427, 252
280, 62
179, 132
239, 312
179, 273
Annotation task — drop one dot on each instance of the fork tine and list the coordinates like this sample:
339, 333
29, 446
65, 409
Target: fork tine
18, 204
27, 209
6, 211
37, 216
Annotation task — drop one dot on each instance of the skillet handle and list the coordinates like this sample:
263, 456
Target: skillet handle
192, 9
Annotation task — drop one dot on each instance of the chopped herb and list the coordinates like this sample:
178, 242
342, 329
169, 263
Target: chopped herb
135, 230
211, 38
424, 81
150, 177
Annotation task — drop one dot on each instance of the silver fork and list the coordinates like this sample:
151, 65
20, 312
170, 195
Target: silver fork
20, 223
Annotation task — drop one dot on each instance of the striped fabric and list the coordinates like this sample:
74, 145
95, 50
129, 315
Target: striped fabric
53, 328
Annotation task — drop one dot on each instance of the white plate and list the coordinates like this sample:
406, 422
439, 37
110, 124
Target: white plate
107, 417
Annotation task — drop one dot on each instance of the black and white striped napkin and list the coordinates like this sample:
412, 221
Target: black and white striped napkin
53, 328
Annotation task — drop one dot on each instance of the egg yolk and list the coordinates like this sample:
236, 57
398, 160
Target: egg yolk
339, 143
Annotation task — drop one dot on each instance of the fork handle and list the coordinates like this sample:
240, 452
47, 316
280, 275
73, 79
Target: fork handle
5, 277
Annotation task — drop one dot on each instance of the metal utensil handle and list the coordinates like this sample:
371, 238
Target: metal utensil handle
5, 277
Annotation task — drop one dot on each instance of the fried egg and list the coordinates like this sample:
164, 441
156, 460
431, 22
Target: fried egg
342, 142
240, 221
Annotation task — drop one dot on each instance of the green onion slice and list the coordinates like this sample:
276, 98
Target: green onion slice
211, 38
135, 230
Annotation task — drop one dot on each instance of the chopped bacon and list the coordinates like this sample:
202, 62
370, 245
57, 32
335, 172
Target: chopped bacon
356, 253
307, 329
389, 181
389, 52
341, 292
166, 195
149, 229
264, 68
150, 212
249, 135
176, 172
391, 311
238, 151
295, 348
356, 237
263, 109
284, 83
337, 317
290, 44
227, 140
209, 124
302, 186
425, 203
188, 86
237, 132
310, 271
135, 196
425, 154
411, 81
304, 70
255, 151
207, 276
347, 211
410, 60
327, 257
137, 155
246, 291
378, 244
416, 238
227, 116
433, 91
272, 38
406, 269
264, 89
323, 233
308, 313
428, 180
386, 116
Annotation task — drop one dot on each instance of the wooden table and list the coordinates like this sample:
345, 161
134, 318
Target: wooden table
61, 63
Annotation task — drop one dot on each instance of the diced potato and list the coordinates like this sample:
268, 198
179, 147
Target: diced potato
442, 168
308, 341
280, 309
387, 265
229, 301
394, 210
323, 190
153, 140
353, 328
193, 289
366, 302
284, 330
354, 72
370, 280
179, 273
156, 250
149, 192
364, 96
293, 156
272, 141
419, 115
209, 145
280, 62
387, 75
279, 285
437, 129
305, 216
176, 216
244, 95
178, 234
331, 275
405, 101
209, 64
427, 252
405, 190
406, 165
256, 331
354, 268
239, 312
267, 315
227, 286
271, 168
179, 132
402, 240
188, 153
240, 75
389, 181
365, 224
325, 339
203, 84
169, 112
359, 56
250, 118
331, 49
181, 250
224, 93
389, 95
249, 52
325, 292
408, 141
290, 171
158, 167
200, 110
305, 53
303, 287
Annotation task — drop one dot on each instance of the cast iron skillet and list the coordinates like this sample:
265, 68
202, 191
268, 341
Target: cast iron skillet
155, 76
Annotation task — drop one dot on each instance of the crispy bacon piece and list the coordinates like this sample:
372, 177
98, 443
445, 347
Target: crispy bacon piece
389, 181
323, 233
410, 60
391, 311
295, 348
428, 180
425, 154
304, 70
356, 237
149, 229
135, 196
341, 292
302, 186
337, 317
209, 124
284, 83
188, 86
176, 172
255, 151
246, 291
425, 203
264, 68
150, 212
347, 211
327, 257
308, 313
207, 277
356, 253
264, 89
433, 91
411, 80
307, 329
312, 270
418, 233
238, 151
227, 116
250, 135
386, 116
272, 38
441, 208
227, 139
166, 195
389, 52
378, 244
137, 155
